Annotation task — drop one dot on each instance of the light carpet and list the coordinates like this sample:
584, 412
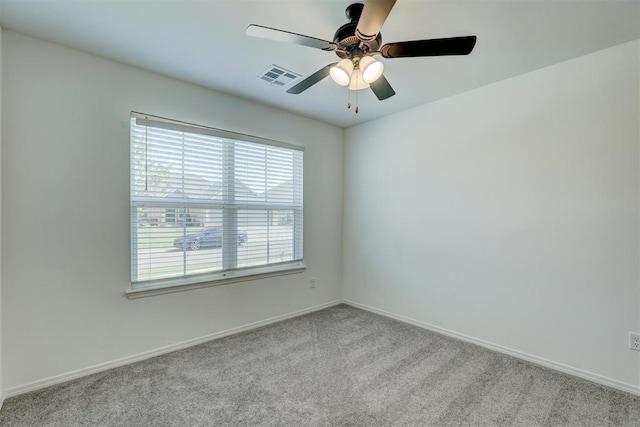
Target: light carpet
335, 367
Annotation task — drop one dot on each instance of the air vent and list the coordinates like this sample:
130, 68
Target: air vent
278, 76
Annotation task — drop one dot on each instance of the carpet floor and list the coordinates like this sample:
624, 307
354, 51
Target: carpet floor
335, 367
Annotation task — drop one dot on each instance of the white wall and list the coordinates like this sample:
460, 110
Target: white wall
65, 215
1, 389
508, 213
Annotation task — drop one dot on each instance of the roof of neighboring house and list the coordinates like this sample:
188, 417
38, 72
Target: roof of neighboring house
212, 190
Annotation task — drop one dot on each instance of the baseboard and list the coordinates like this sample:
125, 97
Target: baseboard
609, 382
57, 379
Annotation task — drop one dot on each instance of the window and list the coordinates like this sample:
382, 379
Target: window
208, 204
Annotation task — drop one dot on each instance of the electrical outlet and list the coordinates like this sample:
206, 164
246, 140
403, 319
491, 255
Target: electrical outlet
312, 282
634, 341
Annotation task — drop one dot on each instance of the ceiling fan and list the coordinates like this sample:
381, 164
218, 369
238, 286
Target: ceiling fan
357, 42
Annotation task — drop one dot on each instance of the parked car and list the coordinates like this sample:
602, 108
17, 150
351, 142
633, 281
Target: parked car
208, 237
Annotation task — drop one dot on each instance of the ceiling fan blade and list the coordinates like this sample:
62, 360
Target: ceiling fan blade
373, 15
311, 80
432, 47
382, 89
288, 37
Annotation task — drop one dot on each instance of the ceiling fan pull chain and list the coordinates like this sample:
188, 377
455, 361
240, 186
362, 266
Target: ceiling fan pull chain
357, 108
349, 99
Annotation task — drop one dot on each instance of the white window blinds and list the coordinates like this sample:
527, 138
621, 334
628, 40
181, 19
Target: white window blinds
208, 201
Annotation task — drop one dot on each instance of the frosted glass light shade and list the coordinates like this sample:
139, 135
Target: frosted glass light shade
356, 82
371, 69
341, 72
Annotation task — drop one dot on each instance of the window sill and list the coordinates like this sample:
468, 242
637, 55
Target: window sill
181, 284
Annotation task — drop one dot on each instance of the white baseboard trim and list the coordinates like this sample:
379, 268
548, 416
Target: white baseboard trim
57, 379
609, 382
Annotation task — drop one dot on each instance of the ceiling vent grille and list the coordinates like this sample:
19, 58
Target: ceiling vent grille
278, 76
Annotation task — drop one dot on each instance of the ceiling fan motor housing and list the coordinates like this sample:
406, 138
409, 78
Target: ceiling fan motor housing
349, 46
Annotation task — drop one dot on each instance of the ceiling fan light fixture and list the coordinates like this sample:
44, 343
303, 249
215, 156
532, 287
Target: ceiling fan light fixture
356, 82
371, 69
341, 72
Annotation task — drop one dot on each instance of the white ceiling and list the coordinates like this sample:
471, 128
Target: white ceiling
204, 42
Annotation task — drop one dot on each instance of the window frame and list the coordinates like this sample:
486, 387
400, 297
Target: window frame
230, 272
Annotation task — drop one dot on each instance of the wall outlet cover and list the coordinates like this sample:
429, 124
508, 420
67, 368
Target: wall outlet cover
634, 341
